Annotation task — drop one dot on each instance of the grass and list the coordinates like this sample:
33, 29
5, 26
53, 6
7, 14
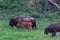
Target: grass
9, 33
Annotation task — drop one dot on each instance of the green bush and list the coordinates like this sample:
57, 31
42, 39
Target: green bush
18, 7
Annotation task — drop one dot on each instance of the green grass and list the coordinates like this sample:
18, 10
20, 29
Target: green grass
9, 33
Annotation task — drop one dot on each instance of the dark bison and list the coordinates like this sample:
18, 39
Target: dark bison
14, 20
53, 28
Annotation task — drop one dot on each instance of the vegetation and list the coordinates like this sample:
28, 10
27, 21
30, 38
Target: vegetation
40, 10
9, 33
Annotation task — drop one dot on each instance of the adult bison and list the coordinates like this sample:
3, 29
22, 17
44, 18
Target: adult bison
17, 19
53, 28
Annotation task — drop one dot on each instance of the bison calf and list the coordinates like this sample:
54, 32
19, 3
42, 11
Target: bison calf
25, 24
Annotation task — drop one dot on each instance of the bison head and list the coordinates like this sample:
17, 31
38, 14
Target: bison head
12, 22
46, 31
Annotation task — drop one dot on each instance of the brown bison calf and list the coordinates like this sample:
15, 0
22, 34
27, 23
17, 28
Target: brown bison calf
25, 25
53, 28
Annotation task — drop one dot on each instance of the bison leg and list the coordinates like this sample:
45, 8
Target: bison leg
53, 34
18, 26
30, 28
34, 25
23, 27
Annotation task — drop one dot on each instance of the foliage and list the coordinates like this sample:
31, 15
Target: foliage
40, 9
9, 33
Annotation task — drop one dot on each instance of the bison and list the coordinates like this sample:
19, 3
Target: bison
53, 28
25, 25
17, 19
12, 22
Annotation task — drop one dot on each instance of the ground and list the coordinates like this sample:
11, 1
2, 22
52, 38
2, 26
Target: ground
9, 33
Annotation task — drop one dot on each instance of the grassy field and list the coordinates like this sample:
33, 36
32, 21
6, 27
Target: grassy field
9, 33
